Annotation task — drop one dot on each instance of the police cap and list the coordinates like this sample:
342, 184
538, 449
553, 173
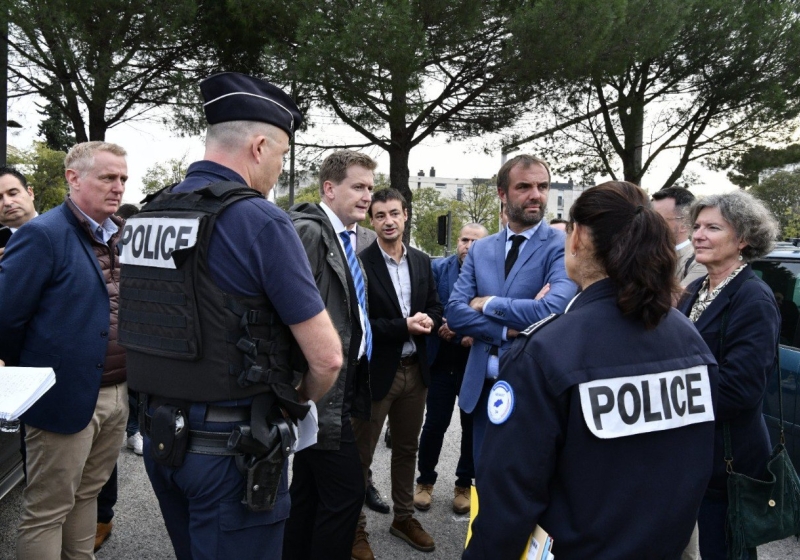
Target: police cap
230, 96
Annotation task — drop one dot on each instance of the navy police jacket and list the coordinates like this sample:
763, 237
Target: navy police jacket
601, 432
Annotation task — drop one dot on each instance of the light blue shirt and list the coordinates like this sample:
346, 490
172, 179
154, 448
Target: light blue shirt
101, 232
493, 365
401, 280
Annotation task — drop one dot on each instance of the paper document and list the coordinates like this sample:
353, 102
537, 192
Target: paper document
20, 387
538, 545
307, 429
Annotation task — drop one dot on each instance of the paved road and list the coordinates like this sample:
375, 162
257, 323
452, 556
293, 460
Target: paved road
139, 532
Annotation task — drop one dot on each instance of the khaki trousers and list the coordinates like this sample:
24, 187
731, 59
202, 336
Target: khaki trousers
65, 475
405, 407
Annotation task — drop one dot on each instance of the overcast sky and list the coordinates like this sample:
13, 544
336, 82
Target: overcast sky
148, 142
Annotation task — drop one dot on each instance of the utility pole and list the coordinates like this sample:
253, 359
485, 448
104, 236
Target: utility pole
3, 86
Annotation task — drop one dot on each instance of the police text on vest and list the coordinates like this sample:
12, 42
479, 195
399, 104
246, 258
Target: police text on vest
625, 406
151, 241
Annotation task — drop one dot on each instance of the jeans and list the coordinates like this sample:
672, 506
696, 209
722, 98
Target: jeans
442, 394
133, 418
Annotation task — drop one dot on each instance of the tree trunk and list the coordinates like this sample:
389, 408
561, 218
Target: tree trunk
631, 118
398, 178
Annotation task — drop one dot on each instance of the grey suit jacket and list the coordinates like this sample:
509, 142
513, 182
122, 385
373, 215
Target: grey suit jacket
695, 270
364, 238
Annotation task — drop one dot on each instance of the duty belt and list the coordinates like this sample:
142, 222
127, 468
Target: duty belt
211, 443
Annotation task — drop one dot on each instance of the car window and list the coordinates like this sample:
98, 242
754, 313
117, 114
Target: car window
783, 278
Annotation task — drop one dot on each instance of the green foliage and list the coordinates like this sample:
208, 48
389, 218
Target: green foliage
101, 62
746, 167
56, 130
44, 170
781, 194
164, 174
306, 194
479, 204
792, 228
697, 78
398, 72
429, 205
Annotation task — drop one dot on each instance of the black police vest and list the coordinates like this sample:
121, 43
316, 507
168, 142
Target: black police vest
185, 337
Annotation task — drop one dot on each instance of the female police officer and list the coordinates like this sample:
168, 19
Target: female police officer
602, 418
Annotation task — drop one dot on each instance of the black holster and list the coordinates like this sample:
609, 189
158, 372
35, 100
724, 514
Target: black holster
263, 447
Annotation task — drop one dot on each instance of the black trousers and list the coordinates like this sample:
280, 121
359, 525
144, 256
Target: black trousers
327, 494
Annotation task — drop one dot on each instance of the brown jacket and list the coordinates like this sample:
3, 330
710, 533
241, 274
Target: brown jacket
114, 371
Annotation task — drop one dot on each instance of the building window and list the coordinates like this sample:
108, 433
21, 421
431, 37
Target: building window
560, 201
459, 194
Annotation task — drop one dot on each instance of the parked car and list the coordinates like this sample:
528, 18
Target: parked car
10, 462
781, 271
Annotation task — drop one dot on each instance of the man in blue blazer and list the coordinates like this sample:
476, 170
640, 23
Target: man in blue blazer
495, 296
58, 302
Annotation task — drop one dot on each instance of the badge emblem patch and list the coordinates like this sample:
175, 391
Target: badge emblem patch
501, 402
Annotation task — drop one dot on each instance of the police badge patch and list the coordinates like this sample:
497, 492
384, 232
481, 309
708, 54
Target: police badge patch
501, 402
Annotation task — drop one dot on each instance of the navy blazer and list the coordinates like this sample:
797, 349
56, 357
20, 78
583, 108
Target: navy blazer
445, 273
745, 360
55, 312
389, 327
540, 262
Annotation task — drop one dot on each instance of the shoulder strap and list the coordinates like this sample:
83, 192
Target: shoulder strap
539, 324
689, 262
211, 199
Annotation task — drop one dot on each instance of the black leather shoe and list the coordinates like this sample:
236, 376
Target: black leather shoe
374, 501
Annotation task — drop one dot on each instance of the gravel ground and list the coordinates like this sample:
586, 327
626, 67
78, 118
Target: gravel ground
139, 532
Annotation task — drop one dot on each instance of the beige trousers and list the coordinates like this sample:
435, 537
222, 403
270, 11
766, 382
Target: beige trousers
405, 407
65, 475
692, 551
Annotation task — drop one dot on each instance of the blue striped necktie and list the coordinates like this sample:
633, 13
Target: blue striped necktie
358, 281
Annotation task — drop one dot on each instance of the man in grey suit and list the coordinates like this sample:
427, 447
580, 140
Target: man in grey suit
672, 204
364, 237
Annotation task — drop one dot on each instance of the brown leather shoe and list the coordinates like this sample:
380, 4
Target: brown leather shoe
361, 549
461, 498
103, 532
412, 532
422, 496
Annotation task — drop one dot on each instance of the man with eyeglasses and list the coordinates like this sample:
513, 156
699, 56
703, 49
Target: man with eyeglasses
672, 204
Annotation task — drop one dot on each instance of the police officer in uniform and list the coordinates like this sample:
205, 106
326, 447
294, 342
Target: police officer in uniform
215, 303
608, 407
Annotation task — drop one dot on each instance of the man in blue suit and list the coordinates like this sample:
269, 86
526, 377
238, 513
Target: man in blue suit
495, 296
447, 355
59, 295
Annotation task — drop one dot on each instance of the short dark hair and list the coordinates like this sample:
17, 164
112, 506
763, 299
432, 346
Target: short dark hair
334, 167
632, 244
385, 195
126, 211
682, 197
5, 170
557, 221
525, 161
